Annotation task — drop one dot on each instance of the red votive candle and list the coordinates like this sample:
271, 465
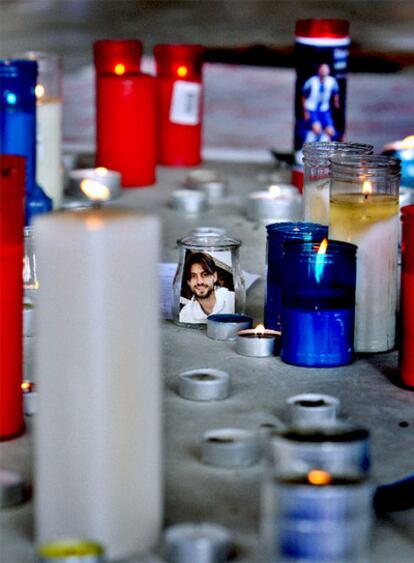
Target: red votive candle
179, 104
125, 112
407, 297
12, 182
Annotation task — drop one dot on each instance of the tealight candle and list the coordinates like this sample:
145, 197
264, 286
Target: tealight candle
226, 326
281, 202
204, 385
312, 409
259, 342
71, 551
29, 398
318, 303
197, 543
210, 182
188, 201
230, 447
84, 182
364, 211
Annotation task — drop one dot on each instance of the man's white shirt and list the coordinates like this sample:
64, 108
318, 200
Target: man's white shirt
193, 313
317, 100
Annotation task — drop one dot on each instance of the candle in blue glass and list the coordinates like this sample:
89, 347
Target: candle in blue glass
277, 234
318, 303
18, 125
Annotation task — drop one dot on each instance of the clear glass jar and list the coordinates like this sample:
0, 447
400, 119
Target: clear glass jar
208, 280
316, 175
364, 209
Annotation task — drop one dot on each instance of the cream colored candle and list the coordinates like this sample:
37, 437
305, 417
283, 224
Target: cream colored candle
316, 201
370, 220
49, 147
98, 432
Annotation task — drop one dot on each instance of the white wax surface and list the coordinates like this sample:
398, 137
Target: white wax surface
98, 432
49, 148
316, 201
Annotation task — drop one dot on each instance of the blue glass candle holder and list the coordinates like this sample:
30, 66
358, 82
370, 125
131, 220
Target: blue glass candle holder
318, 303
18, 126
277, 234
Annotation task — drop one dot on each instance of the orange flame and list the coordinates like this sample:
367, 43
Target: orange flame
95, 190
27, 386
274, 191
319, 477
408, 142
39, 91
323, 246
182, 71
119, 69
367, 188
260, 329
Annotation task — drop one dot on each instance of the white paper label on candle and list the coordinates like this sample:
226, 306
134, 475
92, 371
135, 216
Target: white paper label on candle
185, 104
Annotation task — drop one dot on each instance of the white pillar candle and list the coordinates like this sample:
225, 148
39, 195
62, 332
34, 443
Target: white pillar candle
98, 431
316, 201
364, 211
49, 148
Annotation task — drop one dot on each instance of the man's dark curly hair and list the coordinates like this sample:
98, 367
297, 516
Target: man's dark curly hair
205, 260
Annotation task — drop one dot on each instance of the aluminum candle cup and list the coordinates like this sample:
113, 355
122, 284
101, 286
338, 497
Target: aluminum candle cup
312, 409
258, 342
197, 543
188, 201
71, 551
82, 180
11, 488
230, 447
209, 182
226, 326
204, 385
281, 202
317, 516
335, 448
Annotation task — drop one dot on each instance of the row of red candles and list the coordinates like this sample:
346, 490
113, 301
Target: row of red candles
142, 120
11, 294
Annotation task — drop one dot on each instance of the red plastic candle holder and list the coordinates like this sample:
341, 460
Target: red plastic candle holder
12, 187
179, 104
125, 112
407, 297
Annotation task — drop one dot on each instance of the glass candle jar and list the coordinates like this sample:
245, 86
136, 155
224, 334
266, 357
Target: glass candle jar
364, 211
179, 103
208, 279
407, 297
18, 126
316, 157
277, 234
49, 123
11, 294
318, 303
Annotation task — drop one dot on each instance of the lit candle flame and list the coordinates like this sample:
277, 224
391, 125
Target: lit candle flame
319, 477
40, 91
27, 386
408, 142
101, 170
366, 188
323, 246
260, 329
182, 71
119, 69
94, 190
274, 190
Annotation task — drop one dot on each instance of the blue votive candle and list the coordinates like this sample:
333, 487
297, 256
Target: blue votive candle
318, 303
277, 234
18, 125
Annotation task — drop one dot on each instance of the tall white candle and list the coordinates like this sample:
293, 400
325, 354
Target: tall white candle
49, 148
316, 201
365, 212
98, 432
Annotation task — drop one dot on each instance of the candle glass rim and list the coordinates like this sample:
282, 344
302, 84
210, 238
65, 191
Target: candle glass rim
338, 433
295, 228
202, 242
365, 165
236, 318
318, 153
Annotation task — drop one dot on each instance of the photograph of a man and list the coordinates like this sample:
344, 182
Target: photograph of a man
319, 93
207, 296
